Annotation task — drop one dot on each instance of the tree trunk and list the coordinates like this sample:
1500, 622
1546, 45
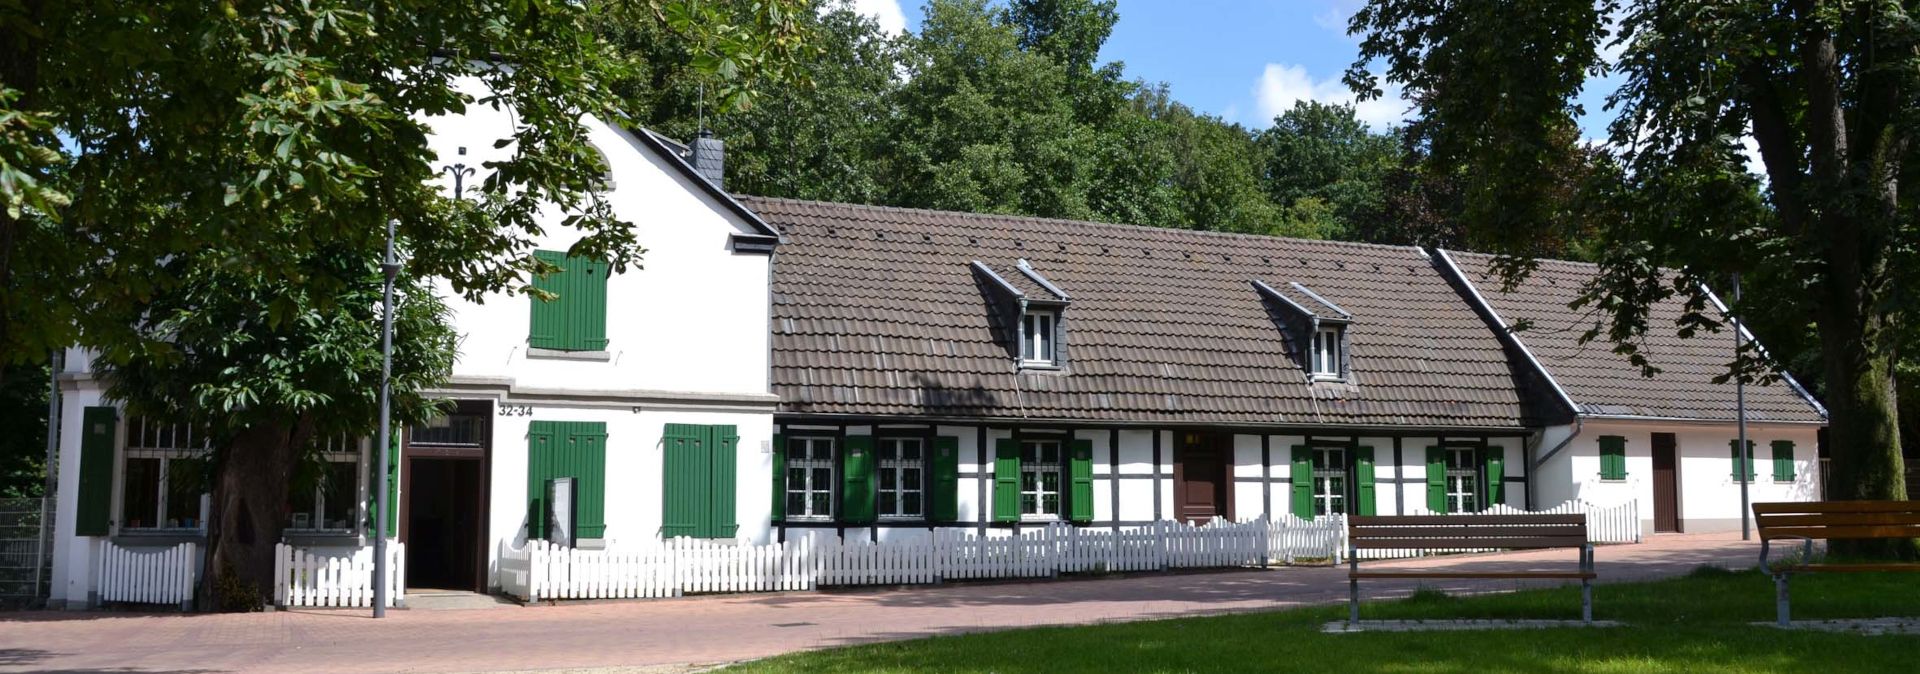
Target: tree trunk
250, 512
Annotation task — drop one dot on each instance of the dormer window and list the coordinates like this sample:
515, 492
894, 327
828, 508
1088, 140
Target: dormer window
1038, 339
1326, 352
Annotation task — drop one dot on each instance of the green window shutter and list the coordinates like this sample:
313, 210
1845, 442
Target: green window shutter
1783, 461
548, 329
779, 477
1006, 480
1363, 480
725, 455
543, 439
575, 449
93, 513
575, 320
1302, 479
1437, 480
1733, 450
1613, 457
393, 487
857, 493
685, 510
1494, 459
1080, 471
944, 501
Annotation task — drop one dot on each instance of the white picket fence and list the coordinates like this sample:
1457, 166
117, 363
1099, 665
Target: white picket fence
309, 578
149, 576
539, 570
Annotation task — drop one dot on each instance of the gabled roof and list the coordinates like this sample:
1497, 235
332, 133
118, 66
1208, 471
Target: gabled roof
879, 311
762, 239
1601, 383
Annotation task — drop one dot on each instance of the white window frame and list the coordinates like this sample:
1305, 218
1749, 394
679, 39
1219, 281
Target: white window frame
1329, 481
1033, 479
1326, 355
806, 487
891, 464
1462, 480
337, 450
146, 439
1039, 332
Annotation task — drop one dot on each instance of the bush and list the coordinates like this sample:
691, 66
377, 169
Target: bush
232, 594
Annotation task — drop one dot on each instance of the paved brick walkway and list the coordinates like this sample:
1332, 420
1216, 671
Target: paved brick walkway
726, 628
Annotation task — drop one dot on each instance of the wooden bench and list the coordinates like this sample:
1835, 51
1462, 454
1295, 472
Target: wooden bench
1829, 520
1468, 532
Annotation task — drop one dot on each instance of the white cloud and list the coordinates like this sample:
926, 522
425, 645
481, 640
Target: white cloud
892, 20
1280, 86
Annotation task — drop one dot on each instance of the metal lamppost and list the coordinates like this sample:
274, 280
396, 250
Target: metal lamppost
1745, 467
391, 269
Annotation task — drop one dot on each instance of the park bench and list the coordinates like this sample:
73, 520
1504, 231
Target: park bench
1468, 532
1829, 520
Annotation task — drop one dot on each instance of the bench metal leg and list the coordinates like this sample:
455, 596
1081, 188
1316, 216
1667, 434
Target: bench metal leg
1353, 590
1586, 585
1781, 599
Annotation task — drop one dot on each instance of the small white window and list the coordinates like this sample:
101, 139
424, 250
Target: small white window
1463, 480
333, 503
810, 474
1329, 481
902, 478
163, 477
1040, 479
1326, 352
1037, 338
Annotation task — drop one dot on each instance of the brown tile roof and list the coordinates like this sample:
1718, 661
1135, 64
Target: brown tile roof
877, 311
1602, 382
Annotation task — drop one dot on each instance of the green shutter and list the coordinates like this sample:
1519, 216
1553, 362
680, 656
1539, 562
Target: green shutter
725, 455
685, 508
1363, 480
1006, 480
1302, 482
1613, 457
575, 320
1080, 471
779, 477
857, 493
93, 513
1783, 461
1733, 450
393, 485
1495, 461
945, 497
1437, 480
575, 449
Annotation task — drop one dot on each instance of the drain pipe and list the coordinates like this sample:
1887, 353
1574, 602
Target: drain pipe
1579, 424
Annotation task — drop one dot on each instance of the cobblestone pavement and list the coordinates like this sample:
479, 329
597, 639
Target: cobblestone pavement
639, 635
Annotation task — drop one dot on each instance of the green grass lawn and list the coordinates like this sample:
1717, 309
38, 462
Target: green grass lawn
1699, 623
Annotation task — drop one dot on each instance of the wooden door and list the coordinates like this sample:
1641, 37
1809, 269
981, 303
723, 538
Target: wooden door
1666, 484
1202, 483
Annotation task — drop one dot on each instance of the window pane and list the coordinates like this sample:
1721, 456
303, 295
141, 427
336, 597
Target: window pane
888, 481
910, 451
1050, 481
1028, 505
796, 504
822, 504
822, 478
1052, 504
887, 502
184, 487
1026, 331
796, 479
911, 503
910, 478
341, 494
1026, 480
140, 496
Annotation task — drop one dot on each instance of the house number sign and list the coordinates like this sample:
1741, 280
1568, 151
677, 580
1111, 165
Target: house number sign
516, 410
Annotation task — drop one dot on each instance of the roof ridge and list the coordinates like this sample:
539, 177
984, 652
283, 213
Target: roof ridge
1069, 221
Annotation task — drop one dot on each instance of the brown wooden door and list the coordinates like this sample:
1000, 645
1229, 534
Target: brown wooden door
1666, 484
1202, 485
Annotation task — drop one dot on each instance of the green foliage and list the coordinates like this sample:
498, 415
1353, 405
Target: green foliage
1321, 154
23, 448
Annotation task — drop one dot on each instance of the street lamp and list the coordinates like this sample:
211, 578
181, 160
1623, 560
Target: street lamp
391, 269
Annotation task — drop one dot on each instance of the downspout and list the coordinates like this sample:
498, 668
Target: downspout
56, 361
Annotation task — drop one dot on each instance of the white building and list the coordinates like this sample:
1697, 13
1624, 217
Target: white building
781, 367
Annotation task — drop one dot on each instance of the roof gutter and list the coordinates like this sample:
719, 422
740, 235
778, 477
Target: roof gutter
1485, 309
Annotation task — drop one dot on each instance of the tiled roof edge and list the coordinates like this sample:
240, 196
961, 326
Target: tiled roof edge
1027, 268
1748, 334
1499, 325
1317, 298
1269, 291
984, 269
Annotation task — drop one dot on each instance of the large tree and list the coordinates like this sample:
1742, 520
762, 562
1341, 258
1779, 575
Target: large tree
1827, 91
187, 183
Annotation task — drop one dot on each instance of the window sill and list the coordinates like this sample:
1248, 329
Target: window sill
1613, 480
169, 537
1040, 519
1039, 366
557, 354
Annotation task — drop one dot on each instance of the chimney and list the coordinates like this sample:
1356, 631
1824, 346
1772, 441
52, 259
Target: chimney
709, 158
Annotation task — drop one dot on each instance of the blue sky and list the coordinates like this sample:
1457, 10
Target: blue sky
1243, 60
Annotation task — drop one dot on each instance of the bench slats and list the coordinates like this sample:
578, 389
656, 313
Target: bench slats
1444, 532
1837, 519
1458, 543
1856, 531
1575, 575
1463, 520
1817, 507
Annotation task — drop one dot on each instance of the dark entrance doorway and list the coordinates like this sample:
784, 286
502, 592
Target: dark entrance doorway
444, 500
1202, 481
1666, 484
